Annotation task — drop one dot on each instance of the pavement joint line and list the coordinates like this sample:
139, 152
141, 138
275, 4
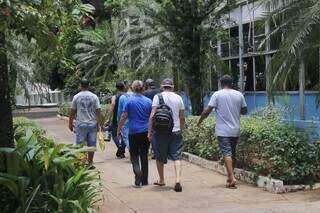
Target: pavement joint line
122, 201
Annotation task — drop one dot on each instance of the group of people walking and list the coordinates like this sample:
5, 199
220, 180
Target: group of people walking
141, 115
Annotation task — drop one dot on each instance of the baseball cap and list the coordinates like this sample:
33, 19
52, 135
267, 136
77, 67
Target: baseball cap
150, 82
167, 83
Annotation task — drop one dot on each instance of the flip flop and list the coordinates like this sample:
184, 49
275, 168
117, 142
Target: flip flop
159, 184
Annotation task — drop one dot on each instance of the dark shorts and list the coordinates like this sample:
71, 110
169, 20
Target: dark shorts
168, 147
228, 146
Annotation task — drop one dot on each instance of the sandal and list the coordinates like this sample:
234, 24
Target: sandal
157, 183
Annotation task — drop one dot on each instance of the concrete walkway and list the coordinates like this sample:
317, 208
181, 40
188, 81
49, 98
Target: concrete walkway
203, 190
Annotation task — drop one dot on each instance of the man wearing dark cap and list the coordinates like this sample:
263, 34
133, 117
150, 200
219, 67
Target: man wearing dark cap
85, 108
151, 89
168, 144
150, 92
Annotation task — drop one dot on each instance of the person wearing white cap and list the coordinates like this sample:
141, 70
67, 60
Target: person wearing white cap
166, 122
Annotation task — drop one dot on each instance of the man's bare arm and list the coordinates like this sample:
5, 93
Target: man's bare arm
182, 119
121, 122
99, 117
111, 110
72, 116
205, 114
150, 128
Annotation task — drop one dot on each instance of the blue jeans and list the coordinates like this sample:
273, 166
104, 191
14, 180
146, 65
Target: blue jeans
125, 135
121, 144
86, 133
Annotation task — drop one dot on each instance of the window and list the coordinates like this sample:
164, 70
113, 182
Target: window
260, 63
235, 72
247, 38
259, 35
248, 74
234, 41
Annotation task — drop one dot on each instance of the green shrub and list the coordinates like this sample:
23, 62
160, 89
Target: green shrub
41, 176
267, 146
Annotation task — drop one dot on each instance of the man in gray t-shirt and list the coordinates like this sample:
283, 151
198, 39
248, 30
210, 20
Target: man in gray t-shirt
86, 110
229, 104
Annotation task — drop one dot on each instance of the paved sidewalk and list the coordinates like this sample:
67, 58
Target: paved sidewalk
203, 190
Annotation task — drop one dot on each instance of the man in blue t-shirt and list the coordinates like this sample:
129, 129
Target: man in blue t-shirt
137, 111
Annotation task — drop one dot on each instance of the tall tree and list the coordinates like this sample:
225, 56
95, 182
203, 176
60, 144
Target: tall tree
37, 19
185, 24
298, 22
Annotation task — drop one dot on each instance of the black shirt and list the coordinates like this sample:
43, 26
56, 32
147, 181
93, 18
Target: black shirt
150, 93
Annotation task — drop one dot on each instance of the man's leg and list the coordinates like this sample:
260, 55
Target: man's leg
177, 169
92, 142
161, 152
226, 148
229, 165
160, 168
175, 153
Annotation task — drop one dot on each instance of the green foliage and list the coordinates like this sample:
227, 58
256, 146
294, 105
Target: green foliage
298, 22
40, 176
267, 146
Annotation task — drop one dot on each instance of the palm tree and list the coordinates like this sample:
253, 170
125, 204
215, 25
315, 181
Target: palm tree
98, 50
299, 24
179, 30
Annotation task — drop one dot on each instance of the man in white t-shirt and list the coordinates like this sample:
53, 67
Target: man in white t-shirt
229, 104
168, 145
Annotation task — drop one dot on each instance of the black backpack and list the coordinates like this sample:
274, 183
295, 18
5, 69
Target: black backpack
163, 117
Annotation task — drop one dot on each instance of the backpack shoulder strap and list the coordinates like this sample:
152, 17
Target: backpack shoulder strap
161, 100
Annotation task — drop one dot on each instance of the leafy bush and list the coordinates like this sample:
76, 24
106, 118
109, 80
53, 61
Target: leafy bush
267, 146
40, 176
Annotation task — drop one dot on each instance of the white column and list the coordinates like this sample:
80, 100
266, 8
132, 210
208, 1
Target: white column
241, 79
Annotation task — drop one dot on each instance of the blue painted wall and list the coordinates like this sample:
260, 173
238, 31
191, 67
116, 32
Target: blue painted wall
289, 103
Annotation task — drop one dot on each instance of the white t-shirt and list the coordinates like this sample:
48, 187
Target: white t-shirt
227, 104
175, 102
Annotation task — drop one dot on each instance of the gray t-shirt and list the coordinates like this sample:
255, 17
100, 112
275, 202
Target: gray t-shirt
86, 103
227, 104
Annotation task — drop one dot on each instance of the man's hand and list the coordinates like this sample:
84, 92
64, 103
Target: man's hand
71, 127
150, 136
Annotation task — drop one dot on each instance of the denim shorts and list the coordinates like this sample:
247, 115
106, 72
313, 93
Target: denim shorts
86, 133
228, 145
168, 146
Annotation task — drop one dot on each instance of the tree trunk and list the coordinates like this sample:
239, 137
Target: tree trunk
6, 129
194, 73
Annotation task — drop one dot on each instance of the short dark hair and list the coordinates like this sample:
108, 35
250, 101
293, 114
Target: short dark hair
84, 83
226, 81
120, 86
150, 83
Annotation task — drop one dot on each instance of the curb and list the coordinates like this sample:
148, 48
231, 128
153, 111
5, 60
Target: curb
63, 117
269, 184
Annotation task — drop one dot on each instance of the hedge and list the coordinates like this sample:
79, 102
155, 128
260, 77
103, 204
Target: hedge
267, 146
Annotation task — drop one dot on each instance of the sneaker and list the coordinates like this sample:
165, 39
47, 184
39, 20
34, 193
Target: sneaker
92, 167
178, 187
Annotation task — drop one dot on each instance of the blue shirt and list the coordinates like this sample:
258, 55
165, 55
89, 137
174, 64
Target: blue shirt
122, 103
139, 109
